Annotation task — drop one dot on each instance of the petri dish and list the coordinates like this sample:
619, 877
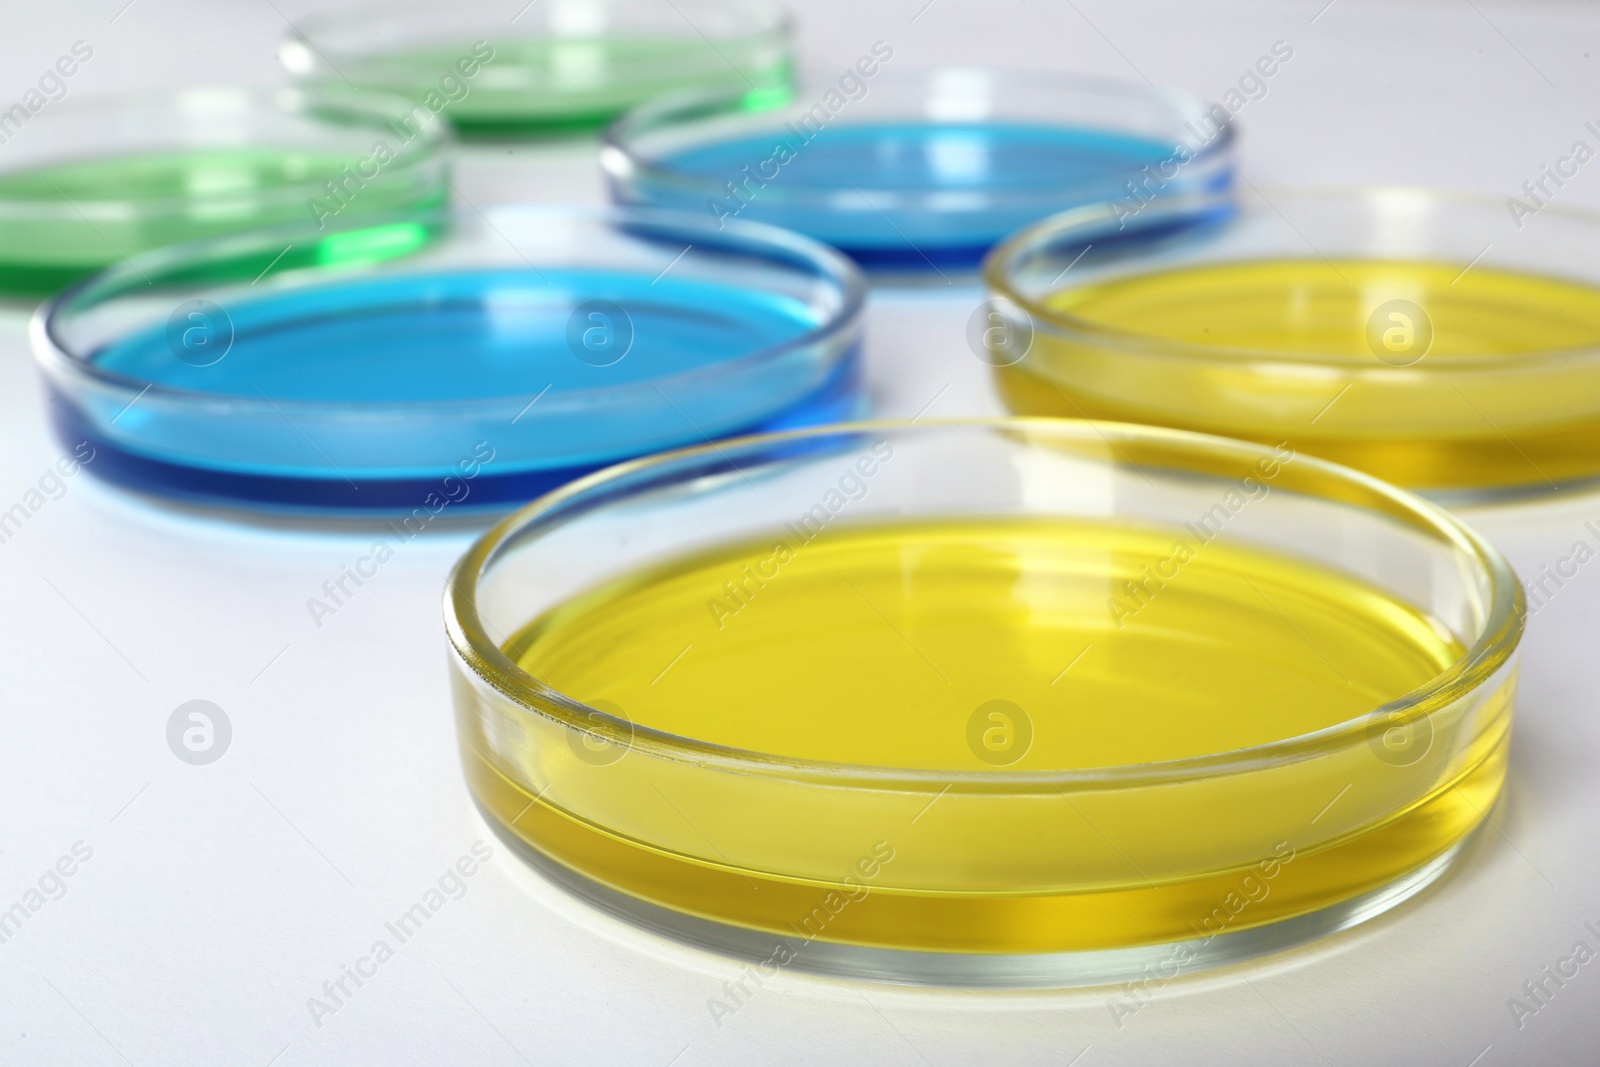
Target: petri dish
1026, 702
1415, 334
919, 170
84, 184
448, 358
506, 68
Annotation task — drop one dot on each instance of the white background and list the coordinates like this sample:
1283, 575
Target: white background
220, 898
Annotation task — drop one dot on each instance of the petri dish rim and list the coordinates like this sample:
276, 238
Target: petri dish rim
51, 350
1492, 649
766, 19
319, 31
622, 160
326, 43
1071, 228
373, 106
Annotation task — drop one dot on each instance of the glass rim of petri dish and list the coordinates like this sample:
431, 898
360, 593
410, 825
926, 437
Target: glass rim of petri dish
54, 353
1490, 651
394, 343
329, 44
696, 119
343, 31
340, 31
1076, 228
184, 111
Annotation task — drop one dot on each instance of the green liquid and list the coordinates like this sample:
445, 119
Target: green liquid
546, 86
94, 213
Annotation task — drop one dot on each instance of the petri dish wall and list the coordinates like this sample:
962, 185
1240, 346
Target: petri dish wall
998, 702
449, 358
919, 170
89, 183
497, 69
1421, 336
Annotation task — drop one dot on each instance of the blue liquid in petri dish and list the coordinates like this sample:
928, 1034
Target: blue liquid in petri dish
915, 194
374, 394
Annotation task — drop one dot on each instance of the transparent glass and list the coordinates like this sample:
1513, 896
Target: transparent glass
995, 876
919, 169
365, 367
88, 183
1436, 340
501, 68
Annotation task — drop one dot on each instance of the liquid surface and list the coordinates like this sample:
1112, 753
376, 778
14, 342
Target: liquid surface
976, 173
1410, 407
1317, 308
926, 156
879, 645
471, 334
171, 175
889, 645
543, 82
547, 389
118, 206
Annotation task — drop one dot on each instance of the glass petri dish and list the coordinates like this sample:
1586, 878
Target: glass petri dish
920, 169
1415, 334
84, 184
448, 358
1025, 702
498, 68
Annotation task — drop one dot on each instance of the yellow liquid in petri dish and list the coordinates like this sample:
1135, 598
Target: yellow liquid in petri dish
888, 645
1418, 406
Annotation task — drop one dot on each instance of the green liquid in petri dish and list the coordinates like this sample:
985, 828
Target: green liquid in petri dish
61, 222
552, 86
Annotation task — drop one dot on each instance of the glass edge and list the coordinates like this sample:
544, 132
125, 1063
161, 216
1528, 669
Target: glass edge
373, 106
55, 358
618, 139
1492, 651
775, 20
998, 271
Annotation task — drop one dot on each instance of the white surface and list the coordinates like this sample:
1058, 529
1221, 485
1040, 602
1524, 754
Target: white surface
220, 898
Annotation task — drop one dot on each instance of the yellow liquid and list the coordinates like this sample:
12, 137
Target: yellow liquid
1420, 413
880, 645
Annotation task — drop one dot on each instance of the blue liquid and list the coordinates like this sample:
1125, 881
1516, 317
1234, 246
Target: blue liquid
457, 359
910, 193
